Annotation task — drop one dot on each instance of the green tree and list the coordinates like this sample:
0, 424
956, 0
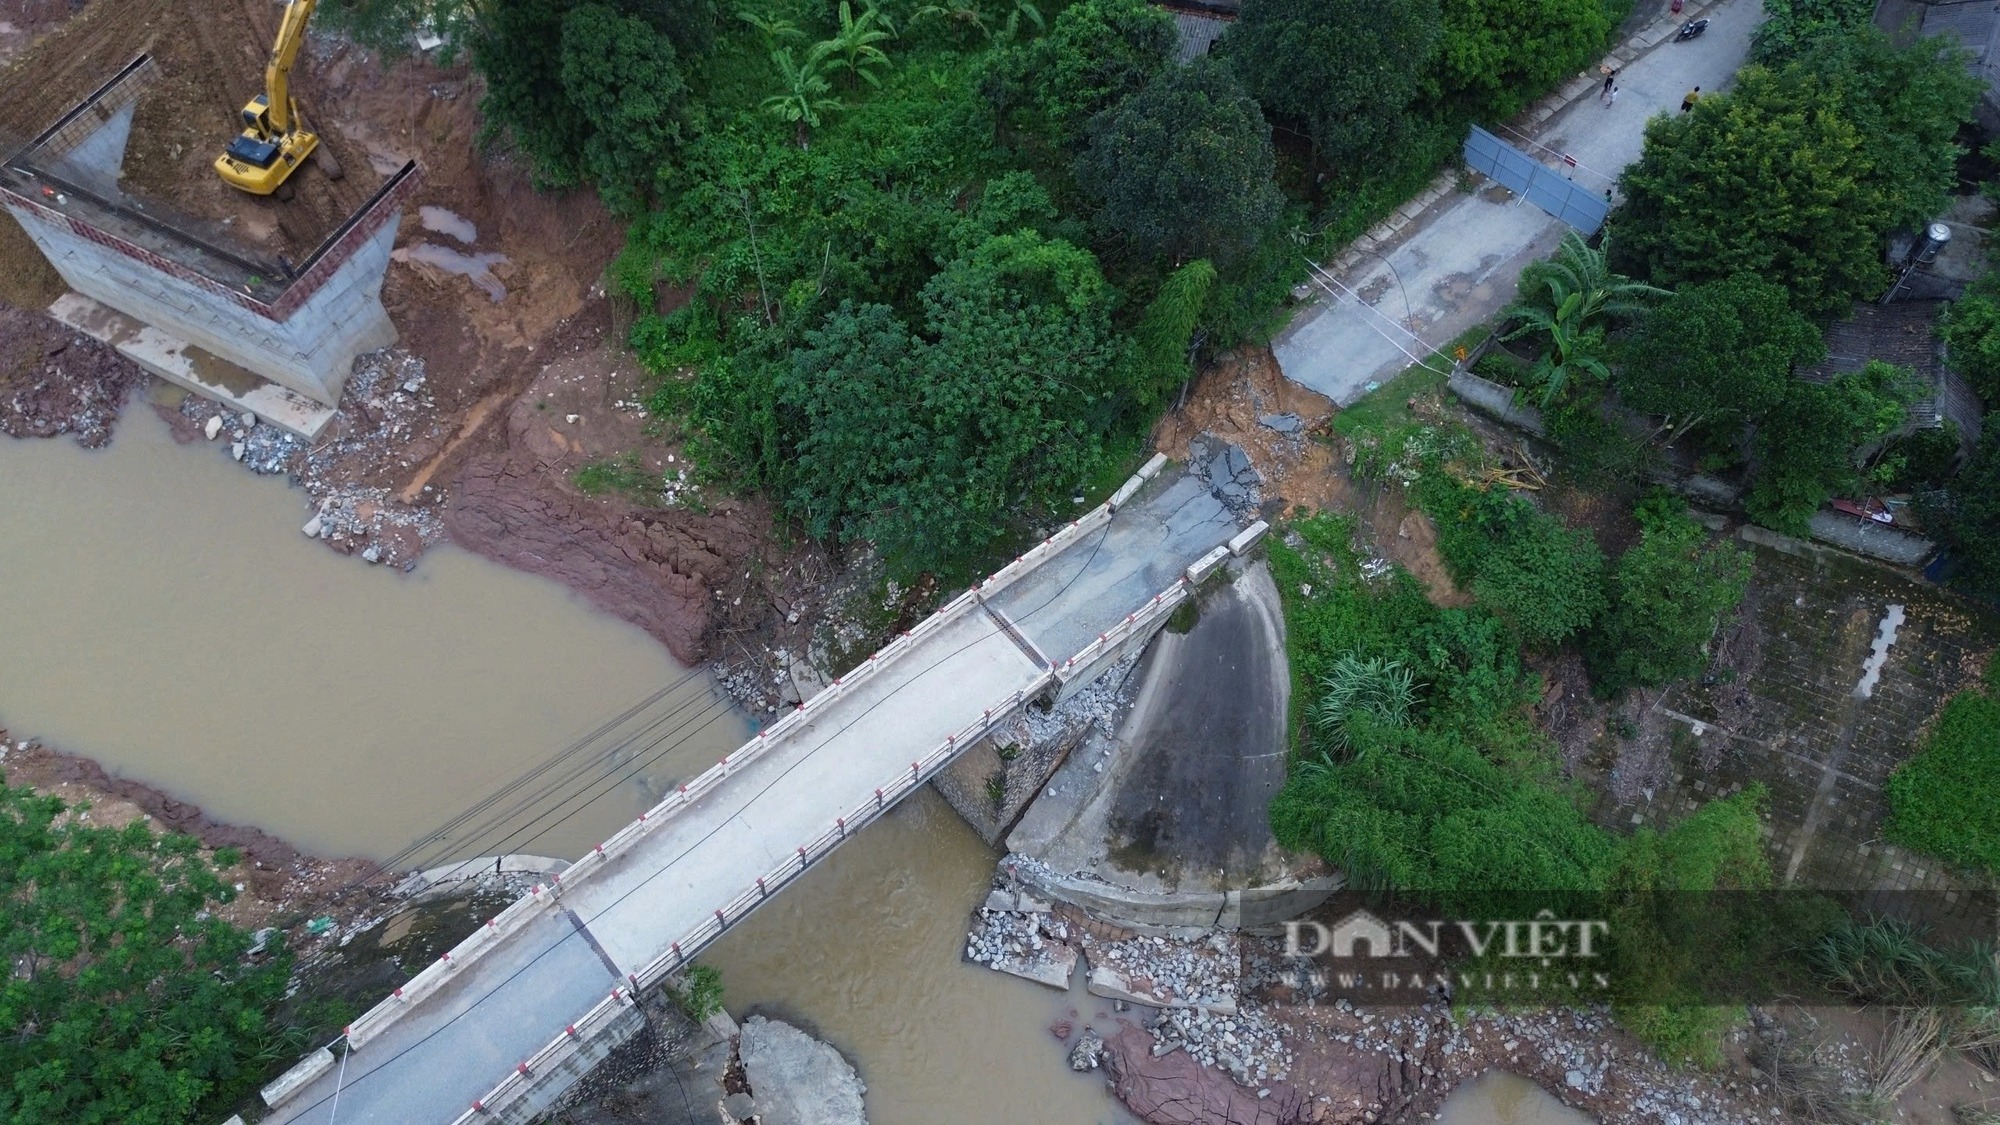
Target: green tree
127, 1001
558, 73
1164, 334
928, 444
1183, 168
1097, 54
1800, 172
1966, 519
1971, 330
1809, 448
1345, 73
1669, 592
630, 73
1716, 357
1566, 299
1499, 55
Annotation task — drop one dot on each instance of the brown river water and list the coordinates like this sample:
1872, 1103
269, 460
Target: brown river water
160, 612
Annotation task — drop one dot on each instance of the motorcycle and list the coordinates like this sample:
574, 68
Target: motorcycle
1692, 29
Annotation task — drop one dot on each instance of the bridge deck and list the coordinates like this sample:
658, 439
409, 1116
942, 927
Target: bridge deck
510, 998
507, 1004
1094, 582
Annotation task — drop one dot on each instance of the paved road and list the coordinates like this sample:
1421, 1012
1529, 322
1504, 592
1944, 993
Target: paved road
1462, 262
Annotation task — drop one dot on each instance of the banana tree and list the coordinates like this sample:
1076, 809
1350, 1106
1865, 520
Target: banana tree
806, 95
853, 48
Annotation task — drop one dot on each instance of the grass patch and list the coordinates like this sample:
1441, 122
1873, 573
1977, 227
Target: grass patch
621, 474
699, 992
1942, 802
1184, 617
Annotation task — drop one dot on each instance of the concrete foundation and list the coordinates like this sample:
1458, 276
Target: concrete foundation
226, 320
183, 364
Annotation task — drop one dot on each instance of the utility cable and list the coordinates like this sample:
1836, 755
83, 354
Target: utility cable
634, 889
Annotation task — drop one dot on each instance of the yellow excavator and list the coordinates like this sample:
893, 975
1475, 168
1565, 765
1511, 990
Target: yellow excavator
275, 141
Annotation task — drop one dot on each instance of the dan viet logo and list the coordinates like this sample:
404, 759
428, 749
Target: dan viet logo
1532, 954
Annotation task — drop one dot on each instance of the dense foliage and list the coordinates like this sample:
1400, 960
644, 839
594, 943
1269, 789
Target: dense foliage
923, 440
1569, 301
1345, 73
1800, 171
127, 1002
1182, 169
1965, 517
1498, 54
1971, 330
1812, 450
1668, 594
1790, 25
1543, 578
589, 92
1422, 772
1719, 356
1942, 801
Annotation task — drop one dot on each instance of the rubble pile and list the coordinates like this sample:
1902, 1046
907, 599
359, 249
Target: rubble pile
1246, 1046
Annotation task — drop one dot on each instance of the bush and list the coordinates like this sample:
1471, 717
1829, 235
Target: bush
1971, 330
1809, 449
1945, 801
699, 992
1668, 595
1966, 518
1546, 580
126, 998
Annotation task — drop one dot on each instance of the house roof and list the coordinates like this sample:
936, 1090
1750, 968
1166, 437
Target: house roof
1199, 28
1976, 25
1902, 333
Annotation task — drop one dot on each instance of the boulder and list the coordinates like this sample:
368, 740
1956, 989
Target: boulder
796, 1079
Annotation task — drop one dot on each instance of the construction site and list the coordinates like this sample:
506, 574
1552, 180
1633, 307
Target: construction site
406, 327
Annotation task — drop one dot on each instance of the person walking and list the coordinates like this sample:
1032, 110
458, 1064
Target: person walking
1610, 76
1693, 96
1613, 99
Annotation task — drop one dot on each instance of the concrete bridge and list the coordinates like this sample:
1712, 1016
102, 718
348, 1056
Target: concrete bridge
500, 1026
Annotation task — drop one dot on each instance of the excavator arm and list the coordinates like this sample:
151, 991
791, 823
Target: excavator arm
278, 73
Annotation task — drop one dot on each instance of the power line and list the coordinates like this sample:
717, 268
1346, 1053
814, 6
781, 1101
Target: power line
996, 632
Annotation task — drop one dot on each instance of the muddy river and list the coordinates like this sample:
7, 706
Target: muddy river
160, 612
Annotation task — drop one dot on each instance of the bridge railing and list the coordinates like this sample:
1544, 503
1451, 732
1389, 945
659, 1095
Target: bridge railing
524, 910
679, 953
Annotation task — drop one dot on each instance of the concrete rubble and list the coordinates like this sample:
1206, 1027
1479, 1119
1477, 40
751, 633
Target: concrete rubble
797, 1080
1031, 945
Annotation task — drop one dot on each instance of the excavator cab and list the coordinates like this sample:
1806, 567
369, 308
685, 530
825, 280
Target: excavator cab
274, 141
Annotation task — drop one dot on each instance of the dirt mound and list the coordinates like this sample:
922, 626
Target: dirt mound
53, 381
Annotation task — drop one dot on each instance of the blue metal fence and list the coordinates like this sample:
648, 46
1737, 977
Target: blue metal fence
1538, 184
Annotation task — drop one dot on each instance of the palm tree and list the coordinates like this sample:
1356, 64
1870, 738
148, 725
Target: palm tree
1564, 297
806, 92
853, 48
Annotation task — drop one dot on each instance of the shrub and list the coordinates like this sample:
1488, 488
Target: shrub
699, 992
1545, 579
1945, 801
1668, 595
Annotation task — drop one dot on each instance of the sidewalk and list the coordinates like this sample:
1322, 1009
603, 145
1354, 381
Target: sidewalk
1458, 262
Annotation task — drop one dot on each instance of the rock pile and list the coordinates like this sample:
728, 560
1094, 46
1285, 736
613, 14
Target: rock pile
1169, 972
1031, 945
1246, 1046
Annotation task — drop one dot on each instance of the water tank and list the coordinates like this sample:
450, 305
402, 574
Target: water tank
1935, 237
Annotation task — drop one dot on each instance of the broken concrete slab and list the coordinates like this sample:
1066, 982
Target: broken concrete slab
796, 1079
